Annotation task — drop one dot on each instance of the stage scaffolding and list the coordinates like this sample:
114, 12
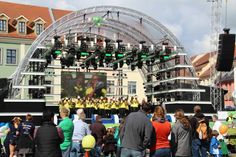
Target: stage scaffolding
176, 81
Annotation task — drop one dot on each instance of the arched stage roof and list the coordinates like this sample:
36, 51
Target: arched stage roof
118, 23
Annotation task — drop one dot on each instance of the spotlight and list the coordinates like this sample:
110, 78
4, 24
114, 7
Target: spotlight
121, 63
140, 64
115, 66
101, 56
87, 64
48, 57
158, 76
82, 65
132, 67
63, 62
70, 60
108, 54
56, 49
128, 61
94, 63
152, 60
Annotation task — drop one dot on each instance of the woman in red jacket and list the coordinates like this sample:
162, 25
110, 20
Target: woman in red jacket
162, 127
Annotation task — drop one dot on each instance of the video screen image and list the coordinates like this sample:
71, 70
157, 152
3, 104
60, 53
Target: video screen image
83, 84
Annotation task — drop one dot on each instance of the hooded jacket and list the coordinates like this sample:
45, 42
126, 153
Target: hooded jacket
181, 136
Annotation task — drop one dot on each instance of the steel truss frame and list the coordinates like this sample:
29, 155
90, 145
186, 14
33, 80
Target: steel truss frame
80, 22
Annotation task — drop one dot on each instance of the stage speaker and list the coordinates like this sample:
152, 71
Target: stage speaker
225, 52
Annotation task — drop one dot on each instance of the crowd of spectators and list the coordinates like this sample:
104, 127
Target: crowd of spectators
136, 136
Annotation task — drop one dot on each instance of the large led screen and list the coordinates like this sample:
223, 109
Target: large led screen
83, 84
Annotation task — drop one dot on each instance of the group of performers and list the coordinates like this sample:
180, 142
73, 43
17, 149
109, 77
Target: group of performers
101, 106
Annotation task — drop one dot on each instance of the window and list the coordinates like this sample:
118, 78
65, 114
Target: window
21, 27
3, 25
39, 28
110, 90
11, 56
1, 55
131, 87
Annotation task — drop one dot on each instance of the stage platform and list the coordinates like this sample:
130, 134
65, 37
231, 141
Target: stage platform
188, 106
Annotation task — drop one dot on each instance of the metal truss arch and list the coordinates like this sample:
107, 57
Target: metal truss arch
131, 25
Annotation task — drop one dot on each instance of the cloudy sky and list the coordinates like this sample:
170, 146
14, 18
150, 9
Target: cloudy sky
189, 20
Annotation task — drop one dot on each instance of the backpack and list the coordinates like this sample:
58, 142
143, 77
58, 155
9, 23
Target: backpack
202, 129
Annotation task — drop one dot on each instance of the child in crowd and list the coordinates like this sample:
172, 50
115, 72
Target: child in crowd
109, 147
215, 149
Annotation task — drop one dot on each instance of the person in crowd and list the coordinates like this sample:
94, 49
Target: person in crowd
113, 106
79, 103
136, 133
216, 125
117, 137
78, 113
181, 135
81, 129
109, 146
107, 109
102, 107
230, 118
200, 133
215, 149
98, 131
48, 137
67, 127
122, 108
12, 136
25, 143
134, 104
220, 137
162, 128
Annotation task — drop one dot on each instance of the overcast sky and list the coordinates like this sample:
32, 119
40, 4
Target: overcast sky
189, 20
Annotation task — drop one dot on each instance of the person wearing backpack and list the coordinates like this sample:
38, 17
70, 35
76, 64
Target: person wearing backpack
200, 133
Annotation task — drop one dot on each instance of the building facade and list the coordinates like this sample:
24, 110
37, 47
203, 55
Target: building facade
203, 65
19, 26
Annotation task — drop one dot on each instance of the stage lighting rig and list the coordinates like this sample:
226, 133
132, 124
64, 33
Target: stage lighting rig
119, 53
166, 52
156, 55
101, 57
71, 57
133, 56
158, 76
115, 66
56, 49
94, 63
108, 51
53, 52
83, 50
142, 55
132, 67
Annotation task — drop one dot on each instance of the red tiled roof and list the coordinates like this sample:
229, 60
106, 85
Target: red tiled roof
203, 60
193, 57
205, 75
14, 10
59, 13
